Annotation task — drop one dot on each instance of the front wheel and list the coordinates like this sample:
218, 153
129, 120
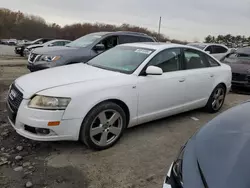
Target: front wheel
103, 126
216, 99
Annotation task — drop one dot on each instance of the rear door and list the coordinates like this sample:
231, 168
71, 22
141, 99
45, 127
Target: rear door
199, 79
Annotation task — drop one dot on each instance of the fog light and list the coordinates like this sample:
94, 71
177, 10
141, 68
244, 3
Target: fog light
42, 131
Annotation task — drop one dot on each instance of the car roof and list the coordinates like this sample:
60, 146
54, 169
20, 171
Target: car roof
122, 33
207, 44
156, 45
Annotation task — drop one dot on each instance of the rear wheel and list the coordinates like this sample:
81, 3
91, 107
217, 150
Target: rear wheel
216, 99
103, 126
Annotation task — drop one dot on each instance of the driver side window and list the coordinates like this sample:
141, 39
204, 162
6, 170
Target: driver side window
168, 60
109, 42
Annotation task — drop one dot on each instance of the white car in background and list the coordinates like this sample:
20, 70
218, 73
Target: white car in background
51, 43
125, 86
217, 50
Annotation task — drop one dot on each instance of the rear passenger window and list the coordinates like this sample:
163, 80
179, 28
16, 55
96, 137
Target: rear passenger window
168, 60
194, 59
128, 39
219, 49
212, 62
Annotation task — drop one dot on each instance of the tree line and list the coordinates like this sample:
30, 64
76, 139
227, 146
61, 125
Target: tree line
23, 26
229, 40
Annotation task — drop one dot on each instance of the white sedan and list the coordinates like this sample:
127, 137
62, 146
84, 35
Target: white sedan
128, 85
217, 50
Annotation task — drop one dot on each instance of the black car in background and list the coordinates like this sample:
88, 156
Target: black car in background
19, 49
82, 49
239, 61
216, 156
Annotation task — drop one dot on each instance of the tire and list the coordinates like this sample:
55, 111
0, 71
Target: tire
103, 126
216, 99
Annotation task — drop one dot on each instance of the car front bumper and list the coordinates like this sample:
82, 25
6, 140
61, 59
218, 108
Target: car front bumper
18, 50
166, 183
38, 66
29, 120
245, 84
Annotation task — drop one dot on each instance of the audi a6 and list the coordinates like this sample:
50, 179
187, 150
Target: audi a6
127, 85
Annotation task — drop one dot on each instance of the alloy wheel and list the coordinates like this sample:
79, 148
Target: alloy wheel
106, 127
218, 98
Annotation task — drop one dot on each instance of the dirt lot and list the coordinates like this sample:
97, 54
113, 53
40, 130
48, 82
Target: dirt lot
140, 159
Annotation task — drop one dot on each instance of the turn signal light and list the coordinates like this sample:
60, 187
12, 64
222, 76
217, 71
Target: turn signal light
54, 123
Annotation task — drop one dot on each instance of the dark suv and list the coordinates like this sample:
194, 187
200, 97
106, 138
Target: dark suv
19, 49
82, 49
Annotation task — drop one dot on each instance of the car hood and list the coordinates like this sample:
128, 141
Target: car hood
59, 76
57, 50
239, 65
35, 46
221, 150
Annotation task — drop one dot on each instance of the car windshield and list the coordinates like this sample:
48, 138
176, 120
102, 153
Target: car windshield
200, 46
123, 59
86, 40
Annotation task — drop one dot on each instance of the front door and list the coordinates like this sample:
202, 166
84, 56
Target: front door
162, 95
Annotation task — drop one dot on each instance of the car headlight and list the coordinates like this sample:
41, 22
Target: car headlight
49, 103
49, 58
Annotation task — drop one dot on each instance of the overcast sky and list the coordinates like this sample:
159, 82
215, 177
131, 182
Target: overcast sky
181, 19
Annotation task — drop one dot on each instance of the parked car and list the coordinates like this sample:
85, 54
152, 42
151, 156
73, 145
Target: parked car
4, 41
217, 50
19, 49
20, 42
127, 85
239, 61
57, 42
82, 49
12, 42
217, 155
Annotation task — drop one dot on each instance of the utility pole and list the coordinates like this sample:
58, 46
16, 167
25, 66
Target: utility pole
159, 30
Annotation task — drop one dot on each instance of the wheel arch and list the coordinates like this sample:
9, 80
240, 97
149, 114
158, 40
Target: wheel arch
122, 104
223, 84
119, 102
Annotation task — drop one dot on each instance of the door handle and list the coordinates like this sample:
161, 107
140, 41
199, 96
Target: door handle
182, 80
211, 75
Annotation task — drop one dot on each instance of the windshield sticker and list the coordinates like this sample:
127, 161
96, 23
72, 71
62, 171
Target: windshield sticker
143, 51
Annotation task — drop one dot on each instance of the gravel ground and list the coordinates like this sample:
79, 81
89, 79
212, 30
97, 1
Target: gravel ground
139, 160
6, 50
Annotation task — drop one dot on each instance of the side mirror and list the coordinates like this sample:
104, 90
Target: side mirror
50, 45
153, 70
208, 52
99, 47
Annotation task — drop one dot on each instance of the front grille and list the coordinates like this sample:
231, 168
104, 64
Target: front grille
15, 97
239, 77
